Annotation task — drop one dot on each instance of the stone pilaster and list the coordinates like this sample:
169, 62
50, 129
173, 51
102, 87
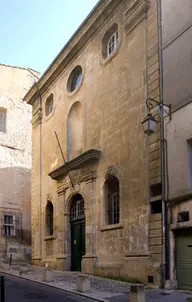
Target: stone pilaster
153, 91
89, 258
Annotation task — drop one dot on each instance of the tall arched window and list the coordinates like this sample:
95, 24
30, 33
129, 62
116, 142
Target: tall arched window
49, 219
112, 206
49, 105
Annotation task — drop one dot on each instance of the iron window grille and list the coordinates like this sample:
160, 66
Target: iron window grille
49, 219
112, 190
9, 225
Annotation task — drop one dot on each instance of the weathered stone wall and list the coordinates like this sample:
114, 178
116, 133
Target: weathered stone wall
112, 94
153, 91
15, 159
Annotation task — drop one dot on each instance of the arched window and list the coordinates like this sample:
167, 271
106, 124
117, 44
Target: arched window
49, 105
49, 219
111, 191
77, 208
110, 41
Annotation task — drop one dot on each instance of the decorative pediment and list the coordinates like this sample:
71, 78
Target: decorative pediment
76, 163
135, 13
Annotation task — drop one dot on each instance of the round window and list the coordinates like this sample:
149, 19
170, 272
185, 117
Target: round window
74, 79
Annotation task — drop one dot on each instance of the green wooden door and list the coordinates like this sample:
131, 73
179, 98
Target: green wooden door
184, 260
77, 244
77, 218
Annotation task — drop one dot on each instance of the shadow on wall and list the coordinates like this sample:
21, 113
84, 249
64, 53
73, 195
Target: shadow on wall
15, 201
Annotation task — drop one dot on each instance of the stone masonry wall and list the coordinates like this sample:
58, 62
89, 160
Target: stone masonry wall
15, 160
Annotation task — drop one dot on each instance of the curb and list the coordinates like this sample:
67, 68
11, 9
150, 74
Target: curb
56, 287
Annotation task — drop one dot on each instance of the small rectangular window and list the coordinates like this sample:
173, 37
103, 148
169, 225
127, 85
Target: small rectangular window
155, 190
150, 279
8, 225
183, 216
156, 207
2, 120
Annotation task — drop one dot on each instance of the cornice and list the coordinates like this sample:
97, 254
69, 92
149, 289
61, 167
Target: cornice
81, 37
135, 14
75, 163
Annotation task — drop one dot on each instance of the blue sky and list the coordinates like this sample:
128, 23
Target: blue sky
32, 32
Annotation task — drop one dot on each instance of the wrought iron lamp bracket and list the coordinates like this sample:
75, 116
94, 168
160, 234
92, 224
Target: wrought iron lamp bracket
149, 104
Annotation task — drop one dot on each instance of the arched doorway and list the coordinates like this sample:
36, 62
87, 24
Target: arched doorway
77, 220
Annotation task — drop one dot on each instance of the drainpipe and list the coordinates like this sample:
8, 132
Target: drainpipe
160, 53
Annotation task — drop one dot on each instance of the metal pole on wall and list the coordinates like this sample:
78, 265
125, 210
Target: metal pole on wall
2, 289
160, 51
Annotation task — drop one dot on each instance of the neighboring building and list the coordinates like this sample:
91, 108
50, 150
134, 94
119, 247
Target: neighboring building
91, 213
177, 57
15, 162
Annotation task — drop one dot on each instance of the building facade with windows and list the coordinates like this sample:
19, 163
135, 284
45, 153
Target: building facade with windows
177, 59
90, 205
15, 162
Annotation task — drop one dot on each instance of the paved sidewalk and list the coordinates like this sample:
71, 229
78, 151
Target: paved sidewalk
101, 289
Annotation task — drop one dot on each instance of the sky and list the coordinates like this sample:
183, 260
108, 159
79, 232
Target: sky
32, 32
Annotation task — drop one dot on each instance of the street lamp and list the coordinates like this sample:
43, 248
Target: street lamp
149, 126
149, 123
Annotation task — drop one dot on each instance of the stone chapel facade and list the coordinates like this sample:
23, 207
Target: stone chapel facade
90, 203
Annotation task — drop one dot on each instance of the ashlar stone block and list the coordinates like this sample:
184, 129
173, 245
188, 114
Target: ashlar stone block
137, 293
83, 284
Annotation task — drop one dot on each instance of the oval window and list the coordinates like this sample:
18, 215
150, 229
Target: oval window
74, 79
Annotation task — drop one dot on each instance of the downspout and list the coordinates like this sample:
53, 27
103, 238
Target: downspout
160, 54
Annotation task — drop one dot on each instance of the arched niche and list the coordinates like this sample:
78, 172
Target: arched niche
74, 131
